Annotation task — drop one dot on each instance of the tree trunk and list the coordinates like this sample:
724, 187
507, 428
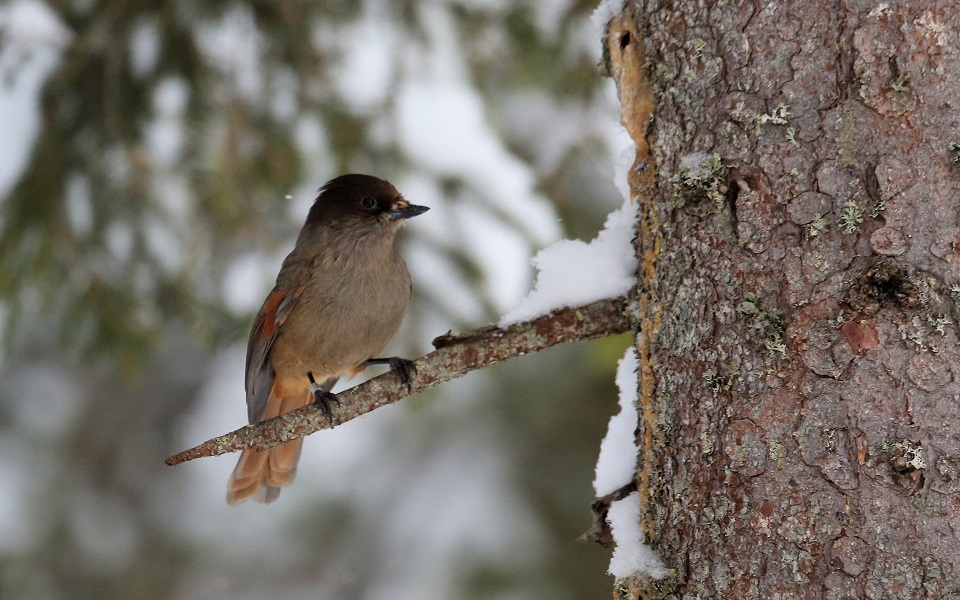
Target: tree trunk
799, 279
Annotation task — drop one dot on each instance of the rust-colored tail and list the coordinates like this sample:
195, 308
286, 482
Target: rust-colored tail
258, 475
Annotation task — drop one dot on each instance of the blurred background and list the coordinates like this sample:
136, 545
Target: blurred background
156, 162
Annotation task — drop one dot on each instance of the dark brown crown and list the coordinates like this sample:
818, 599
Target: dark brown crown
358, 198
353, 195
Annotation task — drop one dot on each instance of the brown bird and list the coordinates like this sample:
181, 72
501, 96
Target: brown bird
339, 299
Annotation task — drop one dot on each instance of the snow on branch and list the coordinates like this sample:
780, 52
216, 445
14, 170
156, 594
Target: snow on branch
455, 356
574, 272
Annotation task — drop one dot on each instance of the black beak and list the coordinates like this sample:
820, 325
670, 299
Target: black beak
408, 212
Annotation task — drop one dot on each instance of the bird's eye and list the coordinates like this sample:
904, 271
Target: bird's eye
368, 202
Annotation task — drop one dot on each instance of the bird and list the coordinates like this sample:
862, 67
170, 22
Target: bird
339, 299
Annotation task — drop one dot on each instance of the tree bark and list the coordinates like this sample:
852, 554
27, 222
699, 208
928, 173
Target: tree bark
799, 276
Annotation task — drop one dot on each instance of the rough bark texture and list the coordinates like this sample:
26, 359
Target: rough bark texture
800, 430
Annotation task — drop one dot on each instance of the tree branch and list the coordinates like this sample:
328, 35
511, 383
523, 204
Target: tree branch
455, 356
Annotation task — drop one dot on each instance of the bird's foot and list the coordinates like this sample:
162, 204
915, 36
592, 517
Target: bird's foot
406, 369
324, 398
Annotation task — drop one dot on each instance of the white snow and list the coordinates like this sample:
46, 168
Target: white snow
606, 10
618, 450
575, 273
615, 469
631, 556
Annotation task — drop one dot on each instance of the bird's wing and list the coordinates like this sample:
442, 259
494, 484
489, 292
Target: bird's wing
259, 380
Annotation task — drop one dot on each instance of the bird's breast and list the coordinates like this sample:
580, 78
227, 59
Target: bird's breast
347, 313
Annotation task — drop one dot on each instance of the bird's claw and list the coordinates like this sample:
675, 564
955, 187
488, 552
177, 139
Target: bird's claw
406, 371
324, 399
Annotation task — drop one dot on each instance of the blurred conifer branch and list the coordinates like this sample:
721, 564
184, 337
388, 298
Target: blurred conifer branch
455, 356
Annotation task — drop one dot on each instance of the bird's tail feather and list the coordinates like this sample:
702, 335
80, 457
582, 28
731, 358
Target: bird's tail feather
259, 475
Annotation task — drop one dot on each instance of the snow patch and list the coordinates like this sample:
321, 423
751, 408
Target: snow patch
631, 556
615, 469
575, 273
618, 450
606, 10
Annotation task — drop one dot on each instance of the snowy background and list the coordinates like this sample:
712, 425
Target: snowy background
156, 165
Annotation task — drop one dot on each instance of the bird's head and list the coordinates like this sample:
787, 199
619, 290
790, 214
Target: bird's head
361, 201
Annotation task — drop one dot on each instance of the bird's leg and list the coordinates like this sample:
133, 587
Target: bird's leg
406, 369
322, 397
